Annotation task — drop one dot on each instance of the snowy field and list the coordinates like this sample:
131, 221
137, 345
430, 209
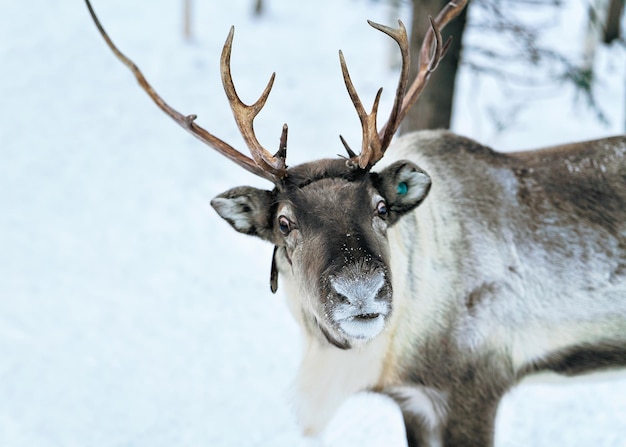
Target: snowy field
130, 314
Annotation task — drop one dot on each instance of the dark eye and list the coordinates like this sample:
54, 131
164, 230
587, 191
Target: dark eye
284, 225
381, 209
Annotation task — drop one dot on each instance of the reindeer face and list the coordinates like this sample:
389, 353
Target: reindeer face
329, 224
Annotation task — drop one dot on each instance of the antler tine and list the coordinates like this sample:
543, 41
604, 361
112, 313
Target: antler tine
245, 114
400, 36
186, 121
351, 153
429, 57
371, 144
282, 147
376, 143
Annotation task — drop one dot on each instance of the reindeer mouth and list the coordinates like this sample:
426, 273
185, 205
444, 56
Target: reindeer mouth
356, 327
365, 317
362, 326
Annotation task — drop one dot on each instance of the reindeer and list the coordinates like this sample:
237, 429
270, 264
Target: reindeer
445, 275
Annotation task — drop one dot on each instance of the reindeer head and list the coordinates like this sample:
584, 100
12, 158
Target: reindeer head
327, 219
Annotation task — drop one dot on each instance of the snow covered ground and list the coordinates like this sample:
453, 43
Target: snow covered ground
130, 314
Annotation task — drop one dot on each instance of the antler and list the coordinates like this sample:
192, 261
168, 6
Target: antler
262, 163
245, 114
375, 143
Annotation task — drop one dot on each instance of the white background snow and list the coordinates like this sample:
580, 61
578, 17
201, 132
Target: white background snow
130, 314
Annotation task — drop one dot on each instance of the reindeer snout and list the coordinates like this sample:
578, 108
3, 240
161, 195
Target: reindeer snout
361, 302
358, 290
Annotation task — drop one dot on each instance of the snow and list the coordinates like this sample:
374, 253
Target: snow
130, 314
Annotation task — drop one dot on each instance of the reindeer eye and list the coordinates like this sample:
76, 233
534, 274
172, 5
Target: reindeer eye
381, 209
284, 225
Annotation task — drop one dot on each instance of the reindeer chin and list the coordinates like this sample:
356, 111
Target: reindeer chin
362, 327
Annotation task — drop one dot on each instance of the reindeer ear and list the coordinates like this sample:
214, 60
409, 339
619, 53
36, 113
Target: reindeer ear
246, 209
404, 185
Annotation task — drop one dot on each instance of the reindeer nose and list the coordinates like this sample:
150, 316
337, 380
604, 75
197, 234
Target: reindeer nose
357, 288
364, 302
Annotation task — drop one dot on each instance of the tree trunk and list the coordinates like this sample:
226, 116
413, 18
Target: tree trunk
258, 7
612, 27
187, 31
433, 109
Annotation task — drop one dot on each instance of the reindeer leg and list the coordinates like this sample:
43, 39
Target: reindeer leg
472, 404
423, 411
470, 423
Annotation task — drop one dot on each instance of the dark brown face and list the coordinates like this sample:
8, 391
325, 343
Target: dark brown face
329, 223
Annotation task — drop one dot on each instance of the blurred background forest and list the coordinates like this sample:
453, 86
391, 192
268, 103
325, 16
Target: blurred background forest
506, 44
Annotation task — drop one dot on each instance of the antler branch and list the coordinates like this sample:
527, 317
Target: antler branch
375, 143
245, 114
371, 143
262, 164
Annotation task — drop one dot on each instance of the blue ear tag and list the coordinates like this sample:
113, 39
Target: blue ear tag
402, 188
